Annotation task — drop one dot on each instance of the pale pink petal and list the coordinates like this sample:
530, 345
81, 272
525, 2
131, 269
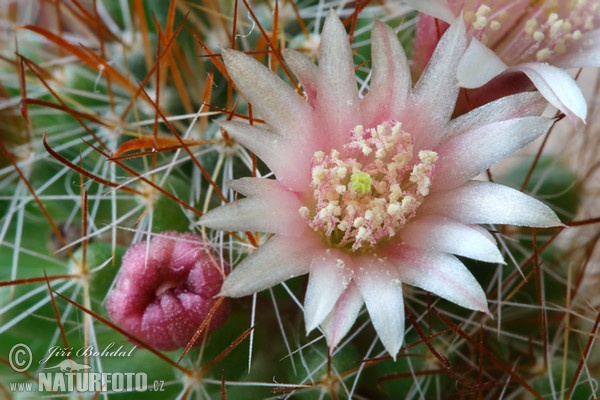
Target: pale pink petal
585, 52
342, 317
441, 234
282, 108
441, 274
390, 80
558, 87
254, 215
278, 260
428, 31
280, 154
270, 208
489, 203
337, 93
478, 66
434, 96
382, 292
258, 139
466, 156
517, 105
436, 8
306, 72
327, 280
484, 232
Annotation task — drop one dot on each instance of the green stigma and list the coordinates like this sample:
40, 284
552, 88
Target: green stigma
361, 182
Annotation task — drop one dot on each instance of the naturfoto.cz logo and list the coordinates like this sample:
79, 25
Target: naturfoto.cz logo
92, 381
69, 375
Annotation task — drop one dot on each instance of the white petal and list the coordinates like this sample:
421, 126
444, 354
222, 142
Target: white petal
337, 93
558, 87
525, 104
282, 155
436, 8
466, 156
278, 260
305, 70
382, 293
479, 66
269, 208
326, 282
434, 95
443, 275
282, 108
390, 81
490, 203
253, 187
439, 234
258, 140
336, 67
344, 314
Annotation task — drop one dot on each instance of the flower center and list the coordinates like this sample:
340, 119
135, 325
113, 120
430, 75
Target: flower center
549, 27
366, 192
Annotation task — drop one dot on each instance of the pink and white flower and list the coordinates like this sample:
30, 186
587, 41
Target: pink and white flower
376, 192
537, 38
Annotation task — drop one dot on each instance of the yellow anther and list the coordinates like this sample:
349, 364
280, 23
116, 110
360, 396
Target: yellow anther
543, 54
483, 10
538, 36
480, 23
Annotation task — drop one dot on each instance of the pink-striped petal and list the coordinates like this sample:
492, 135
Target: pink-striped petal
479, 66
434, 95
466, 156
489, 203
558, 87
337, 93
306, 72
278, 260
390, 80
269, 208
382, 292
327, 280
526, 104
441, 274
436, 8
342, 317
282, 155
282, 108
441, 234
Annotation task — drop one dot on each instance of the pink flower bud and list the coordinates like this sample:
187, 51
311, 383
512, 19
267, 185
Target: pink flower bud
166, 289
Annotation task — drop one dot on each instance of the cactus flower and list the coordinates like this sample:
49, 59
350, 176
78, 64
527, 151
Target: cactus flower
373, 193
537, 38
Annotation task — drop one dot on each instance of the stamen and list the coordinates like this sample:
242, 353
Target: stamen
387, 185
550, 27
